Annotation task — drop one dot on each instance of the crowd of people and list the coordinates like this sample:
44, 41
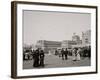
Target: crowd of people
38, 57
76, 53
38, 54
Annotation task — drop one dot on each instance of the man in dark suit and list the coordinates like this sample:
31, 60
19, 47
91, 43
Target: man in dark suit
36, 58
62, 52
41, 54
66, 54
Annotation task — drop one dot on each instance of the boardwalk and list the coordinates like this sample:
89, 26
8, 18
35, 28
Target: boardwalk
52, 61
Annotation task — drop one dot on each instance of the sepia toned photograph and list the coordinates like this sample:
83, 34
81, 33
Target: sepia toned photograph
53, 39
56, 39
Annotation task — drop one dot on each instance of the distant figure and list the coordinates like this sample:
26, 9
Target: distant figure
74, 51
41, 54
62, 52
66, 54
78, 54
85, 52
59, 52
56, 52
36, 58
89, 52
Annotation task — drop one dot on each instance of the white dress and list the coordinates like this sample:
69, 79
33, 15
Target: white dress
73, 55
78, 55
49, 53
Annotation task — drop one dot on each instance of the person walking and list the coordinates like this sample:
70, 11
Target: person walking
36, 58
41, 54
62, 52
66, 54
56, 52
78, 54
74, 51
59, 52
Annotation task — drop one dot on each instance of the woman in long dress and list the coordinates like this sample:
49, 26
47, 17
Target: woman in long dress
36, 58
78, 54
74, 51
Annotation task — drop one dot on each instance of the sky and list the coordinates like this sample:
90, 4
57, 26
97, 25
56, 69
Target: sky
53, 26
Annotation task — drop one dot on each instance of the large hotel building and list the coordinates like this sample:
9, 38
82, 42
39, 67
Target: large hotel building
48, 45
75, 42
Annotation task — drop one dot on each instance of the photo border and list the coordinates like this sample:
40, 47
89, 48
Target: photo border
14, 37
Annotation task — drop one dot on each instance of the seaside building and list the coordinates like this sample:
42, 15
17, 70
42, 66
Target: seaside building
86, 38
48, 45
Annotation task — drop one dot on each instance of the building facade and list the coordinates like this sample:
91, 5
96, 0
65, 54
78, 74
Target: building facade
49, 45
76, 39
68, 43
86, 38
75, 42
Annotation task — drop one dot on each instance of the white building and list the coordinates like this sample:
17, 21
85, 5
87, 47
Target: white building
86, 38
